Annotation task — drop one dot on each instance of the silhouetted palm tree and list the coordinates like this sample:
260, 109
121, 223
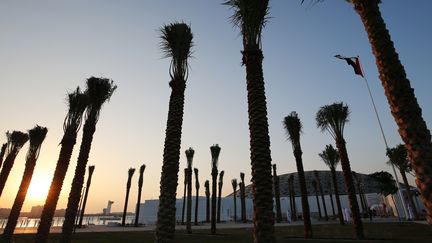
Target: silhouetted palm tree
292, 198
215, 150
243, 197
234, 185
330, 156
37, 136
77, 104
177, 44
189, 156
332, 118
184, 194
331, 197
140, 185
357, 184
98, 91
398, 156
315, 186
251, 16
294, 128
131, 171
318, 181
197, 186
16, 141
91, 170
220, 184
207, 192
2, 152
277, 195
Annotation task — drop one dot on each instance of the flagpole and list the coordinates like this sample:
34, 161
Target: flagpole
386, 144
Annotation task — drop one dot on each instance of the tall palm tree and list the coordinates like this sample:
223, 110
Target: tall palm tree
207, 192
197, 186
234, 185
277, 195
89, 178
37, 136
215, 150
332, 118
330, 156
220, 184
77, 104
401, 98
98, 91
189, 156
16, 141
2, 153
177, 44
318, 180
243, 197
398, 156
331, 197
315, 186
184, 194
294, 128
251, 16
131, 171
140, 185
292, 198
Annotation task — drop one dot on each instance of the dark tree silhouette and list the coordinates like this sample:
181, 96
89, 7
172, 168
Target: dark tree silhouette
189, 155
318, 181
2, 153
215, 150
197, 186
207, 192
385, 181
234, 185
359, 192
131, 171
331, 197
292, 198
220, 184
243, 198
77, 104
37, 136
91, 170
277, 195
140, 185
184, 194
177, 44
315, 186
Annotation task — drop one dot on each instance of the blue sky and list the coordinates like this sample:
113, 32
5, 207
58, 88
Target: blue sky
47, 48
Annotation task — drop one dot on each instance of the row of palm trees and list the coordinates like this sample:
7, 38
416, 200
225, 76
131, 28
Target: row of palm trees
131, 172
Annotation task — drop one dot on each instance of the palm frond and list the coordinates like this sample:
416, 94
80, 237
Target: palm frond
293, 127
399, 157
333, 118
98, 91
234, 184
131, 171
37, 136
221, 175
189, 155
330, 156
16, 141
77, 102
215, 150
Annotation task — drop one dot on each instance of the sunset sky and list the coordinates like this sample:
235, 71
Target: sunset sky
48, 48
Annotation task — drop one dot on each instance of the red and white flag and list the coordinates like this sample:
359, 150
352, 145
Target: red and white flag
353, 62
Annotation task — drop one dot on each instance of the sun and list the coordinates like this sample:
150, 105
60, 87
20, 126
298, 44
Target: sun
39, 186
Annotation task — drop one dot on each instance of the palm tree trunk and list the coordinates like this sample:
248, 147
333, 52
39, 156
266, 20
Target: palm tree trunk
291, 200
408, 191
207, 192
317, 201
91, 169
235, 206
123, 223
189, 203
277, 195
184, 196
243, 203
196, 205
403, 103
165, 225
140, 186
259, 146
6, 169
349, 185
219, 201
213, 203
322, 198
2, 153
331, 199
336, 192
304, 194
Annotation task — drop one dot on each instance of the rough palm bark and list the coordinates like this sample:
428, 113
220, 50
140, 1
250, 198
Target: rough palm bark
2, 153
294, 128
77, 104
332, 118
131, 171
318, 180
177, 44
87, 189
184, 194
220, 185
197, 186
215, 150
207, 193
16, 141
243, 198
401, 98
277, 194
234, 185
315, 186
189, 156
37, 136
140, 185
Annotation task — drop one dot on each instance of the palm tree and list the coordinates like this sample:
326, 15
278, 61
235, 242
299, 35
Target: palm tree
2, 152
91, 170
197, 186
98, 91
220, 184
277, 195
398, 156
292, 198
189, 156
140, 185
177, 44
234, 185
243, 197
315, 186
294, 128
77, 105
215, 150
358, 188
131, 171
16, 141
330, 156
207, 192
333, 119
184, 194
331, 197
37, 136
251, 16
318, 181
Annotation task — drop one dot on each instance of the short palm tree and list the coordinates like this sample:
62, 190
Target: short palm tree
319, 185
37, 136
207, 192
215, 150
315, 187
277, 194
242, 197
184, 194
2, 153
177, 44
398, 156
189, 156
140, 185
91, 169
220, 185
77, 104
234, 185
293, 127
98, 91
16, 141
197, 186
251, 16
332, 118
131, 171
330, 156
